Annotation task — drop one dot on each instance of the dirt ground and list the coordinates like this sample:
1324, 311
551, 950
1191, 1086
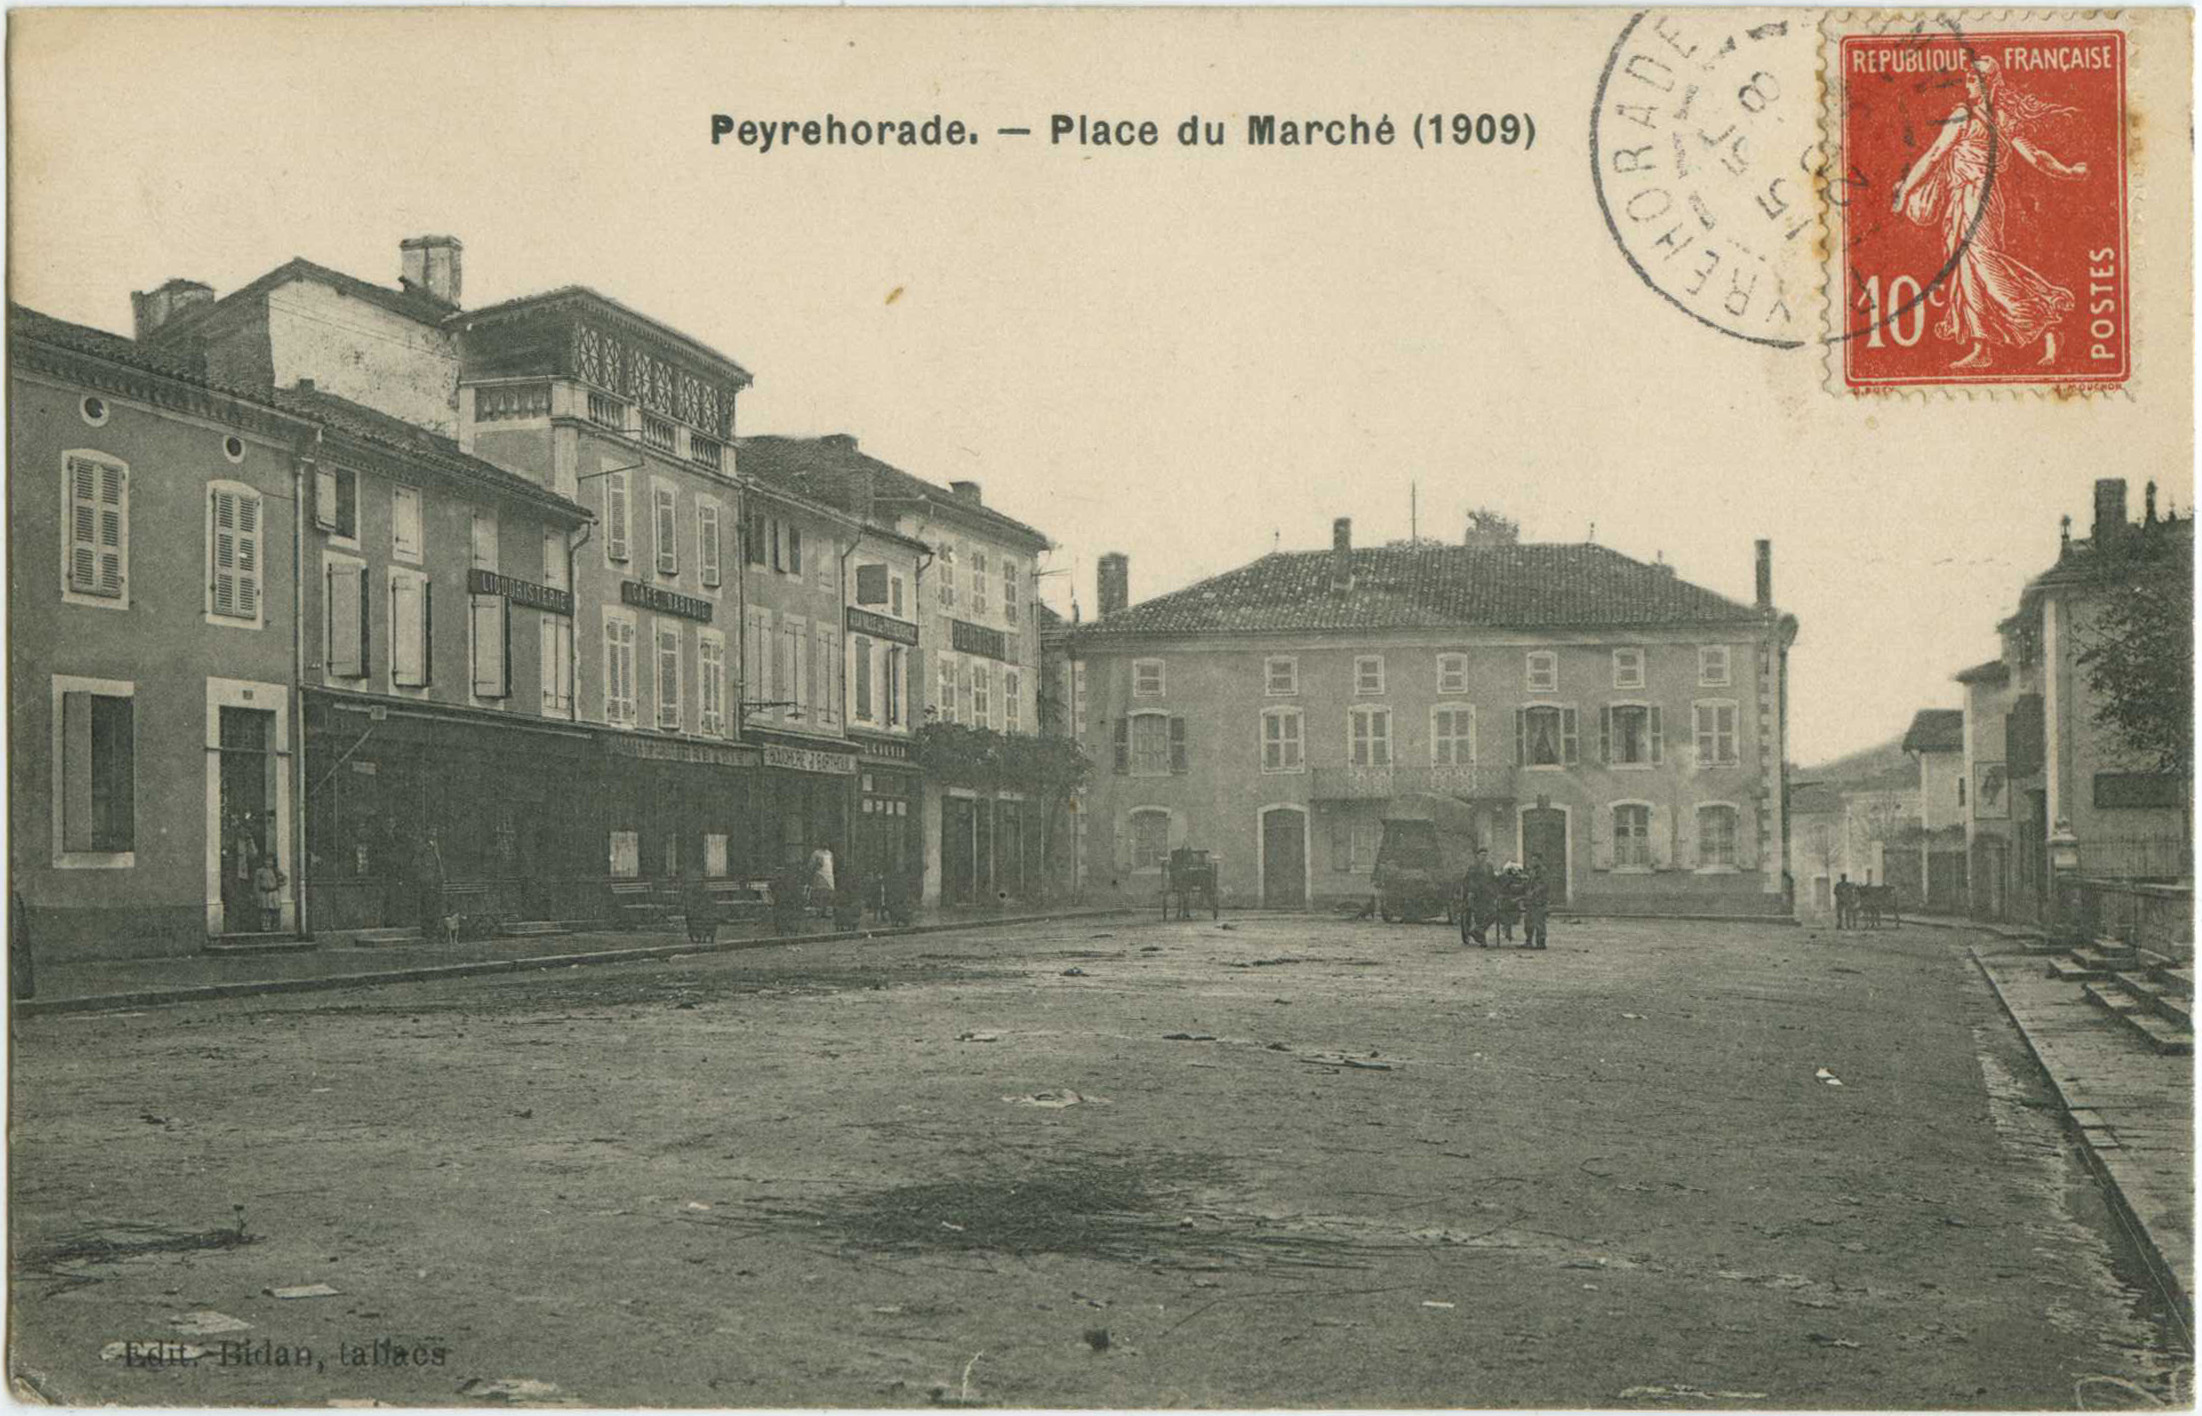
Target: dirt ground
1268, 1162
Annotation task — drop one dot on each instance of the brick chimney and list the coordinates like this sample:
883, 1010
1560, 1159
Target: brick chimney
966, 492
430, 265
1341, 553
151, 309
1766, 574
1113, 582
2110, 511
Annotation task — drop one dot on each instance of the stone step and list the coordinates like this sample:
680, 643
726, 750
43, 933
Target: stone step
2158, 999
258, 944
532, 928
2068, 968
2179, 978
2107, 953
387, 936
2165, 1038
2110, 998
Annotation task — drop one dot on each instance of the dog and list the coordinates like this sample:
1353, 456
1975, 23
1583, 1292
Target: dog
450, 932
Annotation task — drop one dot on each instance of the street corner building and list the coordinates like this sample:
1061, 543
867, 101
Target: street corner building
1590, 712
342, 608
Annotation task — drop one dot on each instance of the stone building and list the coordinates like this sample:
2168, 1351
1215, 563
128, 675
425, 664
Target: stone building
1596, 713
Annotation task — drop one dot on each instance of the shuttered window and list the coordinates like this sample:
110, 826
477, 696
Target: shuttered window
619, 671
411, 630
871, 585
668, 680
1632, 837
485, 540
664, 529
99, 526
892, 690
405, 523
707, 543
233, 552
346, 627
336, 501
1545, 737
1013, 709
982, 697
492, 646
711, 681
825, 657
863, 671
615, 516
98, 772
556, 665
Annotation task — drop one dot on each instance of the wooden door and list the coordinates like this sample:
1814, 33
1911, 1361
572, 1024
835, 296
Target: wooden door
1544, 838
1284, 860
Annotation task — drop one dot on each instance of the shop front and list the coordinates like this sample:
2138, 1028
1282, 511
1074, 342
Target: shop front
890, 824
672, 809
400, 794
987, 847
802, 800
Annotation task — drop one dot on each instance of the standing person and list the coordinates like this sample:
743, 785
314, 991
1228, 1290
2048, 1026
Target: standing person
1475, 904
428, 880
267, 882
1509, 901
1843, 902
1536, 906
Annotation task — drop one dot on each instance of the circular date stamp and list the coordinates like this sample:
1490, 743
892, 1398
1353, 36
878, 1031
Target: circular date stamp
1705, 154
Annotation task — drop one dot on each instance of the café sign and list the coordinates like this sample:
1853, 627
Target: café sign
968, 638
668, 602
654, 750
520, 592
881, 627
809, 759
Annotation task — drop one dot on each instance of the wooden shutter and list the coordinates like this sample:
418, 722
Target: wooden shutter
668, 677
795, 550
1659, 836
863, 671
428, 632
1658, 737
408, 633
1178, 764
492, 652
1521, 737
663, 530
84, 524
222, 553
1747, 838
324, 498
347, 623
615, 516
248, 555
1601, 839
1605, 733
1570, 747
707, 542
547, 661
1123, 746
76, 771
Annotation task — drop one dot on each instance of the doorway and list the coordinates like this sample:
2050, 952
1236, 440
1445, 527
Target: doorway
1284, 858
958, 880
247, 812
1544, 838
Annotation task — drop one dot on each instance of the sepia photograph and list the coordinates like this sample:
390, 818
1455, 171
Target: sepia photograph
1062, 708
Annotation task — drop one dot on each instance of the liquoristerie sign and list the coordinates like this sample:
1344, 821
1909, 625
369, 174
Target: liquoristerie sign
881, 627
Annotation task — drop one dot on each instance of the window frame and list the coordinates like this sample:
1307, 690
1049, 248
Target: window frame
1452, 672
1629, 680
244, 492
710, 543
64, 858
1291, 664
1653, 738
1550, 660
711, 682
1370, 712
672, 709
402, 496
621, 711
334, 563
338, 476
1560, 712
1646, 866
1706, 677
1733, 865
1132, 733
1362, 688
1699, 734
1284, 713
419, 579
554, 666
1454, 707
1131, 839
70, 594
1161, 678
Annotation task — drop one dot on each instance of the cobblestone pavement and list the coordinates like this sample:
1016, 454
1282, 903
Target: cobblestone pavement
1268, 1162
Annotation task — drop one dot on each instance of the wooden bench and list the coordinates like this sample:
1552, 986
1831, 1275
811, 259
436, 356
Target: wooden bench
641, 902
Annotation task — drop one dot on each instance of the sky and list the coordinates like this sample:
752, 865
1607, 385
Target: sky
1190, 356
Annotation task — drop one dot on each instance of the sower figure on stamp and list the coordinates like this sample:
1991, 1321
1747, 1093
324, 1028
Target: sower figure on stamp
1475, 900
1959, 185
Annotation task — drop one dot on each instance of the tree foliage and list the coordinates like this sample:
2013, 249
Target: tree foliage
1488, 526
2138, 654
985, 760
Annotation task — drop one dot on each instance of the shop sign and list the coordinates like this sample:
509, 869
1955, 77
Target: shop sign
968, 638
653, 750
881, 627
670, 602
520, 592
364, 769
809, 759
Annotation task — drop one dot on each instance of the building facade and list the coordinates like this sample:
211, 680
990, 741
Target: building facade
153, 550
1596, 714
1935, 741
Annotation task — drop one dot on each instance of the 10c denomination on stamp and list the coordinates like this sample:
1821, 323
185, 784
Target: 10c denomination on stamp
1981, 199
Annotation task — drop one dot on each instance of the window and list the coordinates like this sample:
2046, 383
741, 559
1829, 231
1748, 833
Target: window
405, 524
233, 553
557, 665
1146, 678
892, 690
554, 560
1961, 791
665, 505
1712, 665
626, 854
978, 583
756, 684
619, 670
982, 697
492, 649
1149, 739
484, 540
944, 687
412, 629
1629, 735
1353, 841
93, 409
1453, 735
788, 676
707, 543
344, 627
1369, 737
1545, 737
1716, 734
1452, 673
711, 685
1013, 711
336, 502
95, 796
1542, 671
1284, 740
1716, 836
1280, 677
794, 564
825, 658
1368, 674
947, 577
1150, 839
1632, 837
97, 553
616, 508
894, 596
667, 636
863, 679
1628, 668
753, 530
871, 585
1009, 591
233, 448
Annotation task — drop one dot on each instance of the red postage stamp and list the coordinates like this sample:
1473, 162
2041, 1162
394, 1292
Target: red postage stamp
1982, 192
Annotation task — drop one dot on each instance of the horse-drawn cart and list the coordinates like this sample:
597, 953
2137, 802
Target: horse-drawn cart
1189, 877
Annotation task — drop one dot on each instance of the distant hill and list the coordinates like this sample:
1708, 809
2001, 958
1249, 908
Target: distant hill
1882, 765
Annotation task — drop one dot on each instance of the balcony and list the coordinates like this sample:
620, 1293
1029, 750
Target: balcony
657, 433
607, 412
1483, 783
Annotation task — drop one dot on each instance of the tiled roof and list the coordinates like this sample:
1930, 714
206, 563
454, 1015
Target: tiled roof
1812, 797
417, 446
828, 468
26, 323
1936, 730
1410, 587
414, 305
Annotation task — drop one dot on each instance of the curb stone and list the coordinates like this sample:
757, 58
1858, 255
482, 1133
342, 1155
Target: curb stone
210, 992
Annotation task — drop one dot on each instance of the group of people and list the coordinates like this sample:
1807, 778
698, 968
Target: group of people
1500, 899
